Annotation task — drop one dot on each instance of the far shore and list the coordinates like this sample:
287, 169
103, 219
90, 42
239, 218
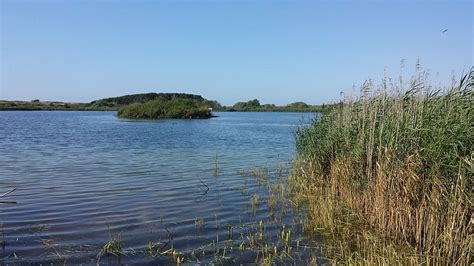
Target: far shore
36, 105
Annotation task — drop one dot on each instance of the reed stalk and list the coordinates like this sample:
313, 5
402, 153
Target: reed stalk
394, 164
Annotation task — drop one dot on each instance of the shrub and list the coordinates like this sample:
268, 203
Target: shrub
163, 108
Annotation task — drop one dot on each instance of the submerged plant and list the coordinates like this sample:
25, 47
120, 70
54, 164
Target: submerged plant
2, 233
216, 166
199, 223
113, 246
255, 201
272, 202
153, 249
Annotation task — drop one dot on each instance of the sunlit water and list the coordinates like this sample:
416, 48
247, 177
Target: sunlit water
82, 177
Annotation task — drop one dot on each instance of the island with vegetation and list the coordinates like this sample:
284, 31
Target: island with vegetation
121, 101
163, 108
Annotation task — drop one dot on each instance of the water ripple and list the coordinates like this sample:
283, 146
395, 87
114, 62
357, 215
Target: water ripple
83, 176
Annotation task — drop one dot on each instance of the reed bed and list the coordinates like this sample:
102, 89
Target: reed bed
388, 176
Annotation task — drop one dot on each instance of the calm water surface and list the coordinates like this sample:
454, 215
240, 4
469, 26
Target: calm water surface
82, 177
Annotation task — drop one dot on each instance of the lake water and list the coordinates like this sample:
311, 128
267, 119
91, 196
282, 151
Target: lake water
84, 177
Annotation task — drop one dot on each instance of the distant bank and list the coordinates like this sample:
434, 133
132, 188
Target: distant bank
115, 103
142, 101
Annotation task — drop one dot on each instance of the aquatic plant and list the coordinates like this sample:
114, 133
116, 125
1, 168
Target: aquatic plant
255, 202
255, 240
216, 166
391, 171
199, 223
272, 202
113, 246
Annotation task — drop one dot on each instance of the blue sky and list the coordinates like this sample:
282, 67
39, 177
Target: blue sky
278, 52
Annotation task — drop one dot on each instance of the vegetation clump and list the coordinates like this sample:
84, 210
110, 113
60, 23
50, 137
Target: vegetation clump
163, 108
393, 166
255, 106
37, 105
121, 101
113, 246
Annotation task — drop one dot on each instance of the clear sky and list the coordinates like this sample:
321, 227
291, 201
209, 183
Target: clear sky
278, 52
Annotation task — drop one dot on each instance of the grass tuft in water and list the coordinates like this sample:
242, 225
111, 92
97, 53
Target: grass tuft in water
199, 223
255, 202
113, 246
216, 166
272, 203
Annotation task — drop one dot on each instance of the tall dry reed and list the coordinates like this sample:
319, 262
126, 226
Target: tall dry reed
398, 160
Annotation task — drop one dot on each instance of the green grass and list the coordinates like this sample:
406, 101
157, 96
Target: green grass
395, 163
113, 246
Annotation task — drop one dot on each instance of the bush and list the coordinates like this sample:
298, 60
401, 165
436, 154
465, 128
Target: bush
163, 108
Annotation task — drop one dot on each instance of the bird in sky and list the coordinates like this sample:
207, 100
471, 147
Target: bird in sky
445, 30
